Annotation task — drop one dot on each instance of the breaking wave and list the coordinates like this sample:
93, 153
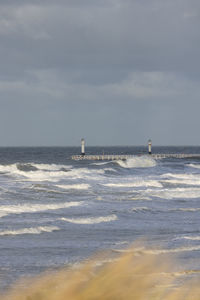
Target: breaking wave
81, 186
192, 238
136, 183
101, 163
31, 208
175, 193
92, 220
143, 250
197, 166
189, 209
181, 176
25, 167
137, 162
173, 250
31, 230
184, 179
49, 172
140, 209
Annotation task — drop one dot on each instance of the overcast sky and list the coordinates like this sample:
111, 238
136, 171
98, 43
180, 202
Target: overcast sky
116, 72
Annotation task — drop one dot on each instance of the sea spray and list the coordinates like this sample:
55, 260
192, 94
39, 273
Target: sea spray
138, 274
137, 162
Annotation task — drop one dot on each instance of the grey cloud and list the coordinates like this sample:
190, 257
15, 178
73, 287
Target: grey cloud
110, 66
143, 37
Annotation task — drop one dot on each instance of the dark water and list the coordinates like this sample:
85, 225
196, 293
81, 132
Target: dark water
55, 211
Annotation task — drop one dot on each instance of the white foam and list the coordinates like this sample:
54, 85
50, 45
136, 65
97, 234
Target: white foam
137, 162
141, 250
174, 250
184, 178
92, 220
140, 198
110, 169
14, 168
185, 193
81, 186
85, 174
137, 183
181, 176
192, 238
32, 230
101, 163
31, 208
197, 166
122, 243
54, 173
189, 209
51, 167
195, 181
140, 208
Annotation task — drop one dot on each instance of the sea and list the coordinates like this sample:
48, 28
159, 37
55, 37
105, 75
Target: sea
56, 212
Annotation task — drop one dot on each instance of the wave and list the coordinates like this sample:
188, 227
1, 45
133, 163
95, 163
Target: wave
186, 179
49, 172
26, 167
192, 238
140, 209
52, 167
137, 183
32, 167
189, 209
142, 250
31, 230
197, 166
181, 176
101, 163
182, 181
137, 162
173, 250
92, 220
140, 198
81, 186
160, 210
175, 193
32, 208
110, 170
35, 172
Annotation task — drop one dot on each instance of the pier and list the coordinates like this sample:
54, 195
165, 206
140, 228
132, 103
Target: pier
111, 157
125, 157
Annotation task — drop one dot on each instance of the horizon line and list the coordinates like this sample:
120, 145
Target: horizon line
73, 146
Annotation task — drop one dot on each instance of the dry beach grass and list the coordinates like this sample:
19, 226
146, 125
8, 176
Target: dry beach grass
136, 274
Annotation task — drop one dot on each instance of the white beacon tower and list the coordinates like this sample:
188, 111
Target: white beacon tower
82, 147
149, 146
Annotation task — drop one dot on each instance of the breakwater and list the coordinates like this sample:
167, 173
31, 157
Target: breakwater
125, 157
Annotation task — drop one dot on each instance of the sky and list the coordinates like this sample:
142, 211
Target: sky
116, 72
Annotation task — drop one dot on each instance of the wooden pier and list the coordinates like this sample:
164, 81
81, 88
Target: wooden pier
125, 157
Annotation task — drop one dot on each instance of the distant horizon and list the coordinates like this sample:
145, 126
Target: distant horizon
90, 146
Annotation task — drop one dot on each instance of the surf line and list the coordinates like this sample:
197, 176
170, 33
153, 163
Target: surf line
103, 156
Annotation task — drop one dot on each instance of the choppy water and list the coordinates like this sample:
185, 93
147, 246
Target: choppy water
55, 211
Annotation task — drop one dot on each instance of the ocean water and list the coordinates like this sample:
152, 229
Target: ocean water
56, 212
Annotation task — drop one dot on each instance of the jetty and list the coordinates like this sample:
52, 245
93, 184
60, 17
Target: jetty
125, 157
111, 157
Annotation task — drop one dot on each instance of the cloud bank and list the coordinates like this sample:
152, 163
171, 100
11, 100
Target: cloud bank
99, 69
